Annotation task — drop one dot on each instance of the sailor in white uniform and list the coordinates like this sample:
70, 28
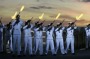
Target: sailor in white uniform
8, 34
38, 30
59, 38
36, 23
49, 41
70, 38
1, 36
28, 37
87, 29
17, 25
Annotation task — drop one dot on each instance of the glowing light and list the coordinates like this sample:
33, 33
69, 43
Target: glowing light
22, 8
58, 16
13, 17
41, 17
78, 18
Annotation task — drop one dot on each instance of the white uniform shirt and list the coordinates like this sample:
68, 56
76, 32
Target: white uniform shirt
27, 31
70, 32
87, 32
1, 28
50, 33
38, 34
59, 33
17, 27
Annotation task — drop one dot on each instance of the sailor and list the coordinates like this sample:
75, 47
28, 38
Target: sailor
49, 37
87, 29
8, 34
38, 38
28, 37
70, 37
59, 38
1, 36
17, 25
36, 23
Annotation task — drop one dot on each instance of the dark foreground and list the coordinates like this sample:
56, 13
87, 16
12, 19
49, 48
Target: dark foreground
80, 54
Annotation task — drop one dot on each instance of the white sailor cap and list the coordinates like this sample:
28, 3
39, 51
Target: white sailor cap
69, 22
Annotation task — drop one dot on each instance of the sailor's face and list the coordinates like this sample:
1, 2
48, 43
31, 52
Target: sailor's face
69, 24
17, 17
48, 24
73, 25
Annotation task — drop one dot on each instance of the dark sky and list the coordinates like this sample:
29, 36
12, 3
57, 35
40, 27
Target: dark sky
69, 9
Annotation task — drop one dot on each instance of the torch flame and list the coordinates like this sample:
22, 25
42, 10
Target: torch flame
22, 8
41, 17
13, 17
58, 16
78, 18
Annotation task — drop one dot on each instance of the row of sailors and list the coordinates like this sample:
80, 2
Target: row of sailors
15, 38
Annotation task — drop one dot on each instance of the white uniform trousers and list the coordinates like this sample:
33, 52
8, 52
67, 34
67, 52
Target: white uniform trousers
70, 41
17, 43
34, 44
11, 47
39, 45
87, 41
50, 43
59, 42
28, 44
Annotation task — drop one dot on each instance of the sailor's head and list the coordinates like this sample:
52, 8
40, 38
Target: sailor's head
57, 23
88, 25
27, 22
69, 23
48, 24
18, 16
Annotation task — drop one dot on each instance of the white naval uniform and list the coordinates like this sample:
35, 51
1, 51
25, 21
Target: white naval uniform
17, 36
1, 38
38, 41
49, 41
59, 40
70, 39
11, 46
27, 39
87, 37
8, 36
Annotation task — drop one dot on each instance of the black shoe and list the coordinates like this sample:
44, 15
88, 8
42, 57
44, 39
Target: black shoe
31, 55
18, 55
34, 54
64, 54
73, 53
54, 55
86, 49
41, 55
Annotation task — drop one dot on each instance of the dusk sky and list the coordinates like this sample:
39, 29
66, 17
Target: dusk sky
69, 9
